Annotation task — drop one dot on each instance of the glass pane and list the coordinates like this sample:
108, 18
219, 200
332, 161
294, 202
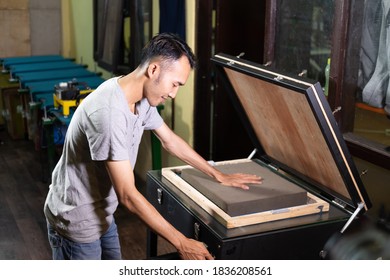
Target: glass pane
137, 30
122, 28
303, 37
373, 98
113, 18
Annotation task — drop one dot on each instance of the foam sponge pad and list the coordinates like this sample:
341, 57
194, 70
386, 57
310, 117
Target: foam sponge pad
274, 193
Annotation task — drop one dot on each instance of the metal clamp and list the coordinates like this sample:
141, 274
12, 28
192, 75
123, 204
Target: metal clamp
303, 73
159, 195
336, 110
240, 55
278, 78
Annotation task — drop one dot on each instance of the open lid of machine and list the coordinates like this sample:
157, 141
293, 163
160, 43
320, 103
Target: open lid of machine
292, 127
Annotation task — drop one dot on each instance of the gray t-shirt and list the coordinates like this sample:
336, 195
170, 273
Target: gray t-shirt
81, 200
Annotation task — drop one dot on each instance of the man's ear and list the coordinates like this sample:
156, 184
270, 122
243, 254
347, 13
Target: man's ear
152, 69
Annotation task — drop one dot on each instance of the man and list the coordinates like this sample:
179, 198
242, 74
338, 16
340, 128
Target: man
95, 170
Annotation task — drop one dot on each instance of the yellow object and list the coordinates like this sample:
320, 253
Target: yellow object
67, 104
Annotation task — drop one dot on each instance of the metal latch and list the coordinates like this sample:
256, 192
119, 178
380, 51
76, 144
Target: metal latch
159, 195
231, 62
196, 231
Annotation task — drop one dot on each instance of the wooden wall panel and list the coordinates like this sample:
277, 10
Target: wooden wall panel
14, 28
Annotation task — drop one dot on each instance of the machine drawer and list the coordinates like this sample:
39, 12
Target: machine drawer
171, 209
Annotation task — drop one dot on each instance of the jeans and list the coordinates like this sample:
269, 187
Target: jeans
105, 248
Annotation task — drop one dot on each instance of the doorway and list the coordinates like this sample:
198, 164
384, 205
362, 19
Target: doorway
224, 26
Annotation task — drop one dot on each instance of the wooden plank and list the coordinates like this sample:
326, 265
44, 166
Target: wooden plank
314, 204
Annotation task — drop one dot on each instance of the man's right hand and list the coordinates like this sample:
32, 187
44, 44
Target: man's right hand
191, 249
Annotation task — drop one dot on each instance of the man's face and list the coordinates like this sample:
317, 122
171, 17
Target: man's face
166, 80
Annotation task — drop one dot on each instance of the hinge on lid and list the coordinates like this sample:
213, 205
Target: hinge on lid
272, 166
339, 202
231, 62
278, 78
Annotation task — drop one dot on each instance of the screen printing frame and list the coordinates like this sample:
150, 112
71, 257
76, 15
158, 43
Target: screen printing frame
237, 74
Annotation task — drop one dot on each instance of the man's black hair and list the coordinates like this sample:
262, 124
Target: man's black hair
169, 46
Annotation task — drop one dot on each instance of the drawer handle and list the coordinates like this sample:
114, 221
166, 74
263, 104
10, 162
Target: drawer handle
159, 195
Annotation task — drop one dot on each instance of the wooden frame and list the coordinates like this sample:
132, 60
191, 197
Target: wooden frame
314, 204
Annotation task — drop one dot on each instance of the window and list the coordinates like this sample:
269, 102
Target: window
303, 35
122, 27
373, 93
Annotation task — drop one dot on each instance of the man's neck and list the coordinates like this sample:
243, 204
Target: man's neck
132, 86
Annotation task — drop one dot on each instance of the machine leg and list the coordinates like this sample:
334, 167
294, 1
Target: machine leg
151, 244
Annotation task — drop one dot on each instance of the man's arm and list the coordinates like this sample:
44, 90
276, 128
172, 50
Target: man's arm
122, 177
179, 148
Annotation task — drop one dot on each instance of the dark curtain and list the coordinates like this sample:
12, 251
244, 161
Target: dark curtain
172, 17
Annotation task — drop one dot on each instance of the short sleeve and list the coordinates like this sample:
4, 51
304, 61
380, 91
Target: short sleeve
152, 120
107, 135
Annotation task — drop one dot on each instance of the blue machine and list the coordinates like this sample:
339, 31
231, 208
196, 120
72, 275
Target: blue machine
45, 89
67, 74
17, 69
38, 77
7, 62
